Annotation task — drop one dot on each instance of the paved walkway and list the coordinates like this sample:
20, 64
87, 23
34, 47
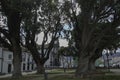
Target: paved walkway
115, 70
24, 73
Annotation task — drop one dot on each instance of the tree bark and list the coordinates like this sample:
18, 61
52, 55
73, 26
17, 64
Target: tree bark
40, 68
14, 21
17, 58
94, 57
92, 65
36, 56
83, 66
39, 62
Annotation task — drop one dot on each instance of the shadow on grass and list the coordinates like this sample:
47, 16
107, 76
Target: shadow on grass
108, 77
23, 78
68, 77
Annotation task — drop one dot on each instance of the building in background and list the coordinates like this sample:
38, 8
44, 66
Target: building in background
110, 60
6, 61
28, 64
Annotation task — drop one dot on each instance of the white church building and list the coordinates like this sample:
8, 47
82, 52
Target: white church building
28, 64
6, 59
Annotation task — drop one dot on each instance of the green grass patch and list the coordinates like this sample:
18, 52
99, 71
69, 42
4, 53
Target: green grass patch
65, 77
108, 77
58, 74
59, 71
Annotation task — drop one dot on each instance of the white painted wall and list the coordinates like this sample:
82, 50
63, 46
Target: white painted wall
25, 56
0, 66
7, 61
66, 61
0, 59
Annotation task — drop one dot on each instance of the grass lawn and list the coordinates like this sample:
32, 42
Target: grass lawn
100, 77
58, 71
60, 75
108, 77
65, 77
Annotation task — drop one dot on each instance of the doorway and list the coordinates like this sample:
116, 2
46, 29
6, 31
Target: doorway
9, 68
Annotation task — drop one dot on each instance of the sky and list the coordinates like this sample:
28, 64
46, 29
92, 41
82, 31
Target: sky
62, 42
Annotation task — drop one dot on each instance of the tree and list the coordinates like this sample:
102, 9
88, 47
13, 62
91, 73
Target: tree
14, 11
49, 23
87, 18
12, 34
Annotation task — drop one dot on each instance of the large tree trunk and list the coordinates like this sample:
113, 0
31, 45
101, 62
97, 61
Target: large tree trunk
83, 66
92, 65
94, 57
39, 61
40, 68
17, 58
14, 21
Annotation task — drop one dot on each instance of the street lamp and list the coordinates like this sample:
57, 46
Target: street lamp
108, 65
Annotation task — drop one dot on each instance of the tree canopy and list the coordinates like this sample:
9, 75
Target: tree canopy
95, 26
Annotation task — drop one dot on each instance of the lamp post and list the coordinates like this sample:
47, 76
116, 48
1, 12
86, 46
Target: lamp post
108, 65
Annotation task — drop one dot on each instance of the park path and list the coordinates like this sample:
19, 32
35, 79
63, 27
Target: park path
114, 72
24, 73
